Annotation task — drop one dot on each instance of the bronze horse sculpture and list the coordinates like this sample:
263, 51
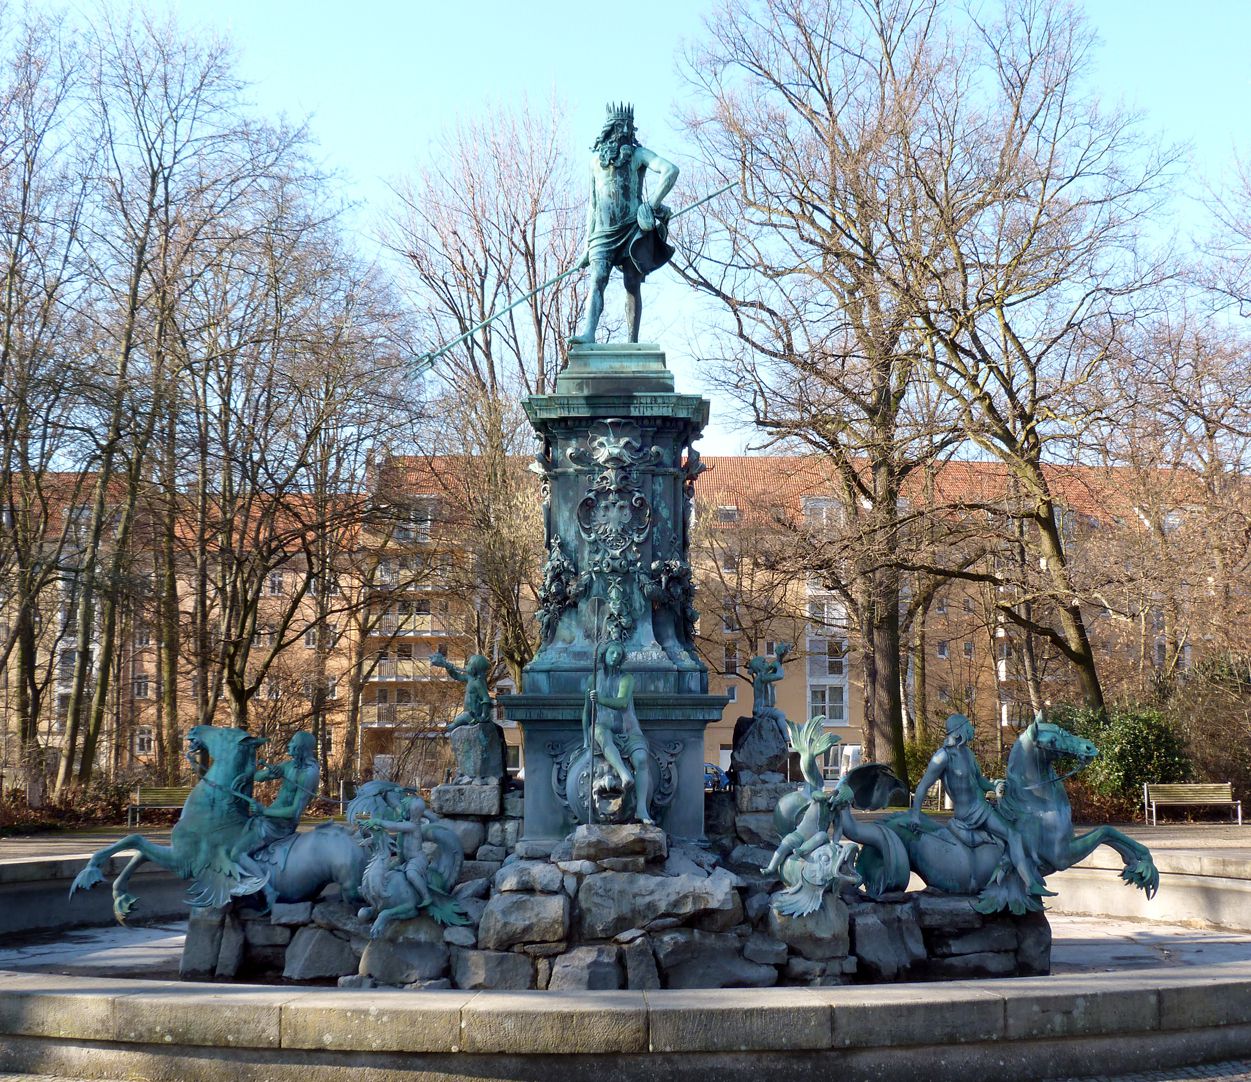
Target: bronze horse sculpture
1037, 806
211, 824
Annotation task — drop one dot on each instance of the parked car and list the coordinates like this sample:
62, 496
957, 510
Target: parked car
716, 780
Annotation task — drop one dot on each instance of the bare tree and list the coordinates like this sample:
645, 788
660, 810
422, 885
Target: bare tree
497, 216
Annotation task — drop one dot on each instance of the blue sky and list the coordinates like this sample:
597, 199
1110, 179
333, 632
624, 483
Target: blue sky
379, 79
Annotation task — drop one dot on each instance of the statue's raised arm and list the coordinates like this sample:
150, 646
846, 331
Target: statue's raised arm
627, 220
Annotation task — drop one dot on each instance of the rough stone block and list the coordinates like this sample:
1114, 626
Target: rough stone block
1033, 952
315, 953
596, 841
230, 954
623, 864
820, 935
766, 951
481, 800
963, 967
514, 804
569, 1023
530, 875
259, 933
721, 920
403, 962
801, 971
995, 935
476, 970
472, 888
719, 814
339, 917
760, 745
756, 828
595, 968
479, 751
291, 913
534, 850
491, 852
523, 918
202, 945
479, 869
640, 964
611, 902
947, 912
694, 959
471, 833
887, 940
761, 798
783, 1020
751, 856
459, 935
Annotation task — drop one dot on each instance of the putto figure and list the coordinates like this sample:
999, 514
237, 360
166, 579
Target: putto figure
625, 228
478, 702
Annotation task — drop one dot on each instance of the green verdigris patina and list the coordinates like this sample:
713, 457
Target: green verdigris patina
618, 470
626, 227
228, 843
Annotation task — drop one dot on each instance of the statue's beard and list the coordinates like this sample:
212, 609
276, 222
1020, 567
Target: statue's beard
616, 152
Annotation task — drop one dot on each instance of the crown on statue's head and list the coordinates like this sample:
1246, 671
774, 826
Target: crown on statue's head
620, 111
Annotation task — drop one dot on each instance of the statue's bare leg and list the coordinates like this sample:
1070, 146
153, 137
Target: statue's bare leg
642, 786
613, 755
600, 270
634, 300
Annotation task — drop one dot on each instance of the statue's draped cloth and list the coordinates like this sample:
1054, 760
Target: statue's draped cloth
647, 249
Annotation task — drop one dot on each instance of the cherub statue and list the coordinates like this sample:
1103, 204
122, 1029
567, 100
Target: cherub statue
478, 702
764, 674
400, 879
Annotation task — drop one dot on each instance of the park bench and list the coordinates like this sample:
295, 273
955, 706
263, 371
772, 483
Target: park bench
153, 796
1186, 793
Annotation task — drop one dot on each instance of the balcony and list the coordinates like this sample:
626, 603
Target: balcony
404, 669
419, 623
398, 716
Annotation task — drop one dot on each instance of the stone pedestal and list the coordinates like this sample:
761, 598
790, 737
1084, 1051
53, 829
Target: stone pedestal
479, 752
618, 480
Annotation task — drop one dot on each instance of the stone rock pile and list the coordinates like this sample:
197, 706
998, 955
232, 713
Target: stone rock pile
619, 907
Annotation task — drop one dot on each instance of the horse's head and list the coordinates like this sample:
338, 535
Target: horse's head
1056, 741
227, 749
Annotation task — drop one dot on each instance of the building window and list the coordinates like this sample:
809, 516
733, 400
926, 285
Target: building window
273, 690
730, 666
144, 742
143, 637
310, 638
828, 701
944, 693
727, 512
941, 648
728, 560
731, 691
332, 687
141, 686
968, 604
416, 521
65, 667
729, 620
968, 649
275, 583
820, 512
940, 606
62, 710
